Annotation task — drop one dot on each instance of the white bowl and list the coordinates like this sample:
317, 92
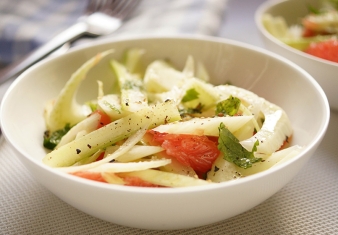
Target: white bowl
265, 73
324, 71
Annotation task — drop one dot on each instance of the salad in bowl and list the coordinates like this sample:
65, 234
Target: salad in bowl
315, 34
305, 32
162, 127
146, 131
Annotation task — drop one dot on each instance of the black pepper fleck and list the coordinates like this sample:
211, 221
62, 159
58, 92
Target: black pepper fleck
216, 169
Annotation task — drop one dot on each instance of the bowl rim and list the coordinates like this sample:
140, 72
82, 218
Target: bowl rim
244, 180
264, 7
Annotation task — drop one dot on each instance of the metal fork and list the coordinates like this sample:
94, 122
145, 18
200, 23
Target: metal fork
102, 18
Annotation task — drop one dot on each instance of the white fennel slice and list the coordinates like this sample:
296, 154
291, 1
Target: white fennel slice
166, 178
223, 170
276, 127
117, 167
85, 126
204, 126
135, 153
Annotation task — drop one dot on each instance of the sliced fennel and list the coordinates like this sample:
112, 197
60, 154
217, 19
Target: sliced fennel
154, 98
161, 77
112, 178
189, 68
90, 159
275, 25
111, 105
85, 146
131, 87
166, 178
175, 167
86, 126
292, 35
101, 138
206, 96
64, 109
303, 43
204, 126
132, 60
274, 159
130, 166
125, 147
137, 152
197, 70
276, 127
223, 170
202, 73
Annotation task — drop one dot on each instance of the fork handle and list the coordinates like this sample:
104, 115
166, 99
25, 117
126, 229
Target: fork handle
68, 35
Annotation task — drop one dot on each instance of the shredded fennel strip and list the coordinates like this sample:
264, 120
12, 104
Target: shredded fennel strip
88, 125
112, 178
129, 166
137, 152
89, 159
271, 135
66, 109
165, 178
125, 147
80, 148
276, 126
272, 160
204, 126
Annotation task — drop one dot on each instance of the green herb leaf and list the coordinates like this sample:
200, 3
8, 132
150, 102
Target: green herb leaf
313, 10
51, 140
229, 106
188, 111
233, 151
190, 94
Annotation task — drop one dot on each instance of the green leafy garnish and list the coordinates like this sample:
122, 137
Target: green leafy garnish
190, 94
51, 140
313, 10
229, 106
189, 111
233, 151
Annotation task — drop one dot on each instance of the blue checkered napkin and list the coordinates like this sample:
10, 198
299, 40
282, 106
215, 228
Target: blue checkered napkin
24, 25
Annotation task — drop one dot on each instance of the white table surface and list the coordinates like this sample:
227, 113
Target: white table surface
307, 205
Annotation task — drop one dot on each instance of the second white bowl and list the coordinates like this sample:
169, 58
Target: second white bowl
324, 71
